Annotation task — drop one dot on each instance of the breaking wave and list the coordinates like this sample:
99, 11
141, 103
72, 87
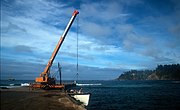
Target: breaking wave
96, 84
13, 85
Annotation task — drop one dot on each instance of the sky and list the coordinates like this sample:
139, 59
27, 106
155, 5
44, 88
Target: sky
113, 36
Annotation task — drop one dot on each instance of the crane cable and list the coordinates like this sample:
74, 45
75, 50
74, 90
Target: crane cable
77, 49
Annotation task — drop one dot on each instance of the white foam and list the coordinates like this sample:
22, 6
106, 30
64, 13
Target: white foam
9, 86
25, 84
96, 84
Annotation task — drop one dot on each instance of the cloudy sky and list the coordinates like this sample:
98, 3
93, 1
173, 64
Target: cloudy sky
114, 36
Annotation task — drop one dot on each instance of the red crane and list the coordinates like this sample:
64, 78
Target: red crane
45, 81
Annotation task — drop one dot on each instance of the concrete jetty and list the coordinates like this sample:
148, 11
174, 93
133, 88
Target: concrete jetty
23, 98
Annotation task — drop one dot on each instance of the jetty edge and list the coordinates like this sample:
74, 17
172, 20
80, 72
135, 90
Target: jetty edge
23, 98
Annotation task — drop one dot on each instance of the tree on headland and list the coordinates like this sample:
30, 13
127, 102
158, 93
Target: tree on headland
135, 75
168, 71
162, 72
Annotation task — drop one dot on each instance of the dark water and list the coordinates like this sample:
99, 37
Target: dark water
15, 83
127, 95
134, 95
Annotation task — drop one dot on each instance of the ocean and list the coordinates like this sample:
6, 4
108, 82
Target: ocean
133, 95
126, 95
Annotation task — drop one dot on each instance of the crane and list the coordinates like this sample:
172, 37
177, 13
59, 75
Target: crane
44, 80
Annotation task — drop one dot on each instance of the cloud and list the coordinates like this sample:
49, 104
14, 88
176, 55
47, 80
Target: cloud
97, 30
98, 19
39, 9
131, 39
9, 27
111, 34
101, 11
17, 70
176, 31
23, 49
74, 55
27, 71
124, 28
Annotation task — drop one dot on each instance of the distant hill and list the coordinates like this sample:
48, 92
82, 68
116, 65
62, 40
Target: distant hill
162, 72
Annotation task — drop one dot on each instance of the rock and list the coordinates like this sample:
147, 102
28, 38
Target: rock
153, 76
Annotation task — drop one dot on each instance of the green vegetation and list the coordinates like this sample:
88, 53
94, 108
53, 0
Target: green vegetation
162, 72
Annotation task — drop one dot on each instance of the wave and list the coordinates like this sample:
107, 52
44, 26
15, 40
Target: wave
176, 82
96, 84
8, 87
14, 85
11, 84
25, 84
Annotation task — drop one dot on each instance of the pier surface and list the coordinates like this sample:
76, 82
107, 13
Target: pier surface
23, 98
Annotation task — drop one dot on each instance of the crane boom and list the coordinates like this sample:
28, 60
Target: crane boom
44, 76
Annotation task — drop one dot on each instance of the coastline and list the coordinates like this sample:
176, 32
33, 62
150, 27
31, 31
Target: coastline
23, 98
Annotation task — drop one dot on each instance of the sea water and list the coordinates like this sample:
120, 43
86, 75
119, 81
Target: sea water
14, 83
125, 95
133, 95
